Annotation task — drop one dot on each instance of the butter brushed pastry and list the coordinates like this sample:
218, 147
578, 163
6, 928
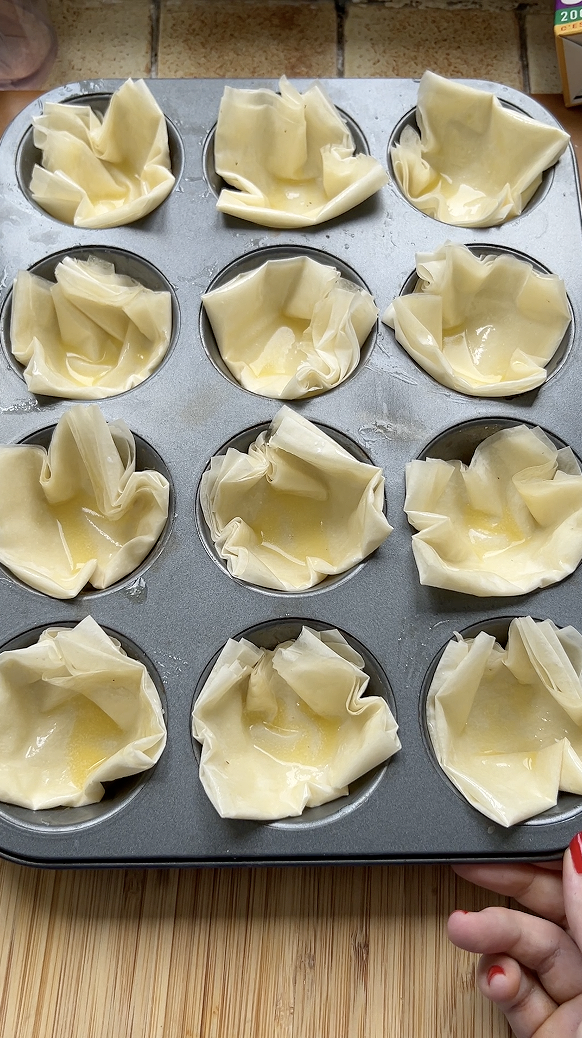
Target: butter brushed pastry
295, 508
77, 712
80, 512
291, 157
102, 171
506, 724
509, 522
290, 728
90, 334
474, 163
482, 326
290, 328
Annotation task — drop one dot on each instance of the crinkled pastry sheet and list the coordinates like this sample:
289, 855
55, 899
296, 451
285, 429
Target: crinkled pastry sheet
291, 328
506, 723
287, 729
103, 171
81, 512
295, 508
475, 163
77, 712
91, 333
509, 522
486, 326
290, 156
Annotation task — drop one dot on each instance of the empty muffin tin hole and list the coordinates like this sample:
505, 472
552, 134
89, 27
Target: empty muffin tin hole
270, 634
254, 260
146, 457
568, 804
125, 263
241, 442
413, 282
460, 442
217, 184
28, 155
410, 120
117, 793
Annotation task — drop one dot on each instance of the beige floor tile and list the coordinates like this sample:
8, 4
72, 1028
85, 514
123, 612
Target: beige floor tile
544, 76
105, 39
382, 41
237, 38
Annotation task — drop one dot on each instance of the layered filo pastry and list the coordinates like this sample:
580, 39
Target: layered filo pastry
77, 712
295, 508
473, 162
291, 327
482, 325
102, 171
289, 728
78, 513
290, 156
90, 333
507, 523
506, 722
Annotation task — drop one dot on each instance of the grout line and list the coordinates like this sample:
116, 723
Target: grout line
340, 15
155, 36
520, 13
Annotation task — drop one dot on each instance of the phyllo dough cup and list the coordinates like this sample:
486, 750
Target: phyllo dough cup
288, 728
91, 334
103, 171
77, 712
507, 523
290, 156
80, 512
475, 163
506, 723
294, 509
485, 326
291, 327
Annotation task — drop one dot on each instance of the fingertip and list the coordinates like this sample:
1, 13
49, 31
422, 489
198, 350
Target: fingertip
455, 923
499, 979
575, 848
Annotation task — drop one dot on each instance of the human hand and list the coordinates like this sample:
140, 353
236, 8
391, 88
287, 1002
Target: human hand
530, 967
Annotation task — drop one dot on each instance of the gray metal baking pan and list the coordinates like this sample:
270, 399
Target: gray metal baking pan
180, 608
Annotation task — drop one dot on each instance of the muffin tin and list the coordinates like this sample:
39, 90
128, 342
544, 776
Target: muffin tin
177, 612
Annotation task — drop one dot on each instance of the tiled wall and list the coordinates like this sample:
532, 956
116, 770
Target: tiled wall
501, 40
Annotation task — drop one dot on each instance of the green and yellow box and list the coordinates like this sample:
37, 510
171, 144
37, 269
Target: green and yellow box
568, 35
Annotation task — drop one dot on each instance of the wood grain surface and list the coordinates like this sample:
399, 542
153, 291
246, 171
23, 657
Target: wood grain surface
241, 953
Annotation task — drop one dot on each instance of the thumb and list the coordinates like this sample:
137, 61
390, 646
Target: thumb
572, 878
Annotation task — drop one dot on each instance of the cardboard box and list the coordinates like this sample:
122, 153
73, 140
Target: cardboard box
568, 36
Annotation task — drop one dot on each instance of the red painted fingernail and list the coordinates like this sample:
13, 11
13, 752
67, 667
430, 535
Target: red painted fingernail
576, 852
495, 971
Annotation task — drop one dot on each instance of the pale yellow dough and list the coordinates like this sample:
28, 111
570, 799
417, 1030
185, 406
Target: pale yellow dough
475, 163
483, 326
294, 509
80, 513
506, 724
291, 328
90, 334
509, 522
77, 712
103, 171
291, 157
287, 729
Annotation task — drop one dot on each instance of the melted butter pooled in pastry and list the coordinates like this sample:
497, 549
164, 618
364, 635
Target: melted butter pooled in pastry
489, 534
292, 525
83, 528
94, 737
296, 735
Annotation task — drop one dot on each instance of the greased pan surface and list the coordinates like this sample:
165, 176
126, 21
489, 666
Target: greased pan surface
181, 607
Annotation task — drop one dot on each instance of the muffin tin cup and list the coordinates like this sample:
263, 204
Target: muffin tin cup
181, 610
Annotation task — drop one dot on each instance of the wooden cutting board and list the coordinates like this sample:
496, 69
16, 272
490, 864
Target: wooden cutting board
240, 953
